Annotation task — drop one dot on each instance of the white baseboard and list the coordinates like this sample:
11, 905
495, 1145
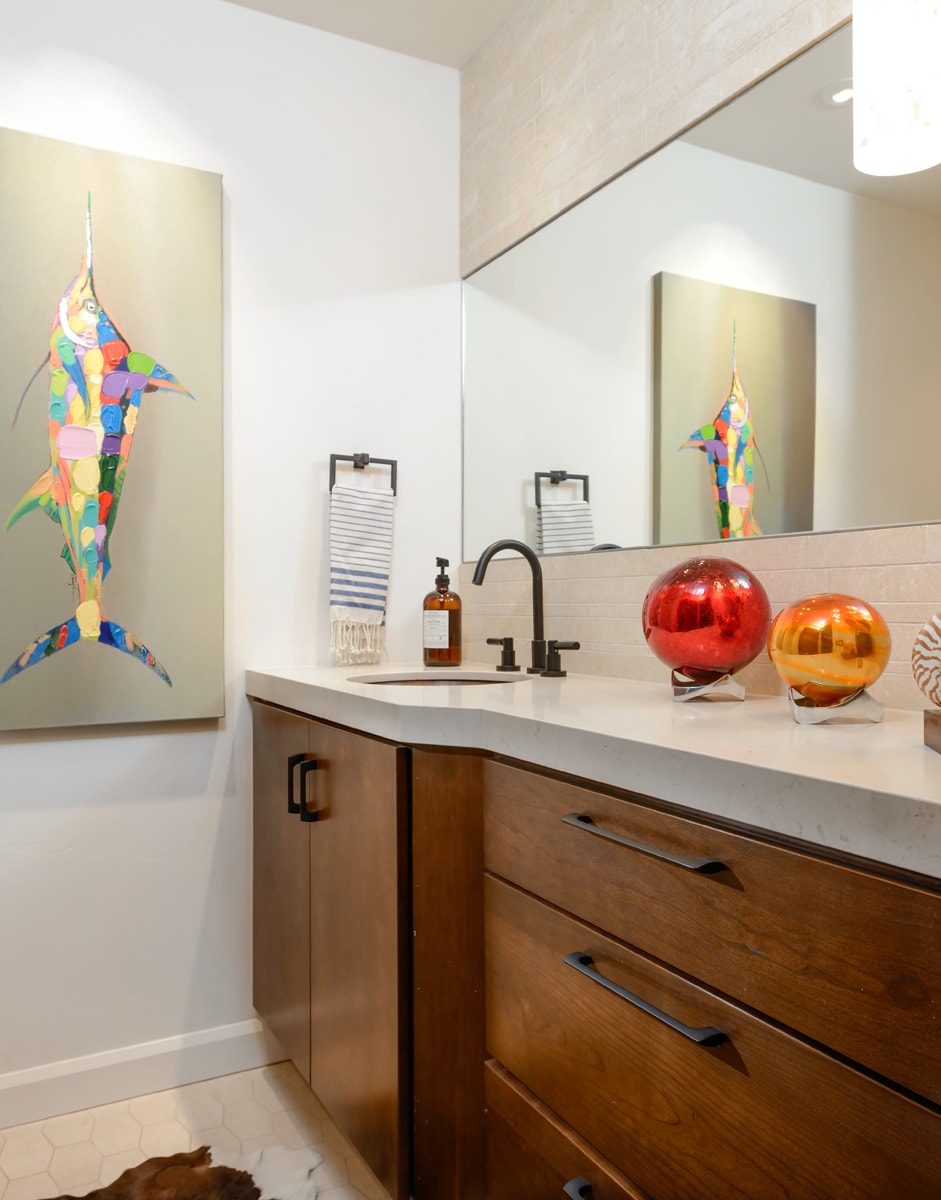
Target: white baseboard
72, 1084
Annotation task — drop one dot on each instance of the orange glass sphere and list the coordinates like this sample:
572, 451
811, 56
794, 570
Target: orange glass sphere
829, 646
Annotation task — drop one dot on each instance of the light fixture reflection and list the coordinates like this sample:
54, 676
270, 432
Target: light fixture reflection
896, 86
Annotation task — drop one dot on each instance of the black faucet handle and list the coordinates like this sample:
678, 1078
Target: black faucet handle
554, 657
508, 657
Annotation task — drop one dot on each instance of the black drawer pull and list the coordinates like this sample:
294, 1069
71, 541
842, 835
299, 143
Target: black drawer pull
307, 814
578, 1189
705, 866
706, 1035
293, 807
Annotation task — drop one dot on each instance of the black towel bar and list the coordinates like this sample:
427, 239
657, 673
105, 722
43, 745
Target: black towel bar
360, 462
556, 477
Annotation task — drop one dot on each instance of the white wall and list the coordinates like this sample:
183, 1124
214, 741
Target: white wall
125, 855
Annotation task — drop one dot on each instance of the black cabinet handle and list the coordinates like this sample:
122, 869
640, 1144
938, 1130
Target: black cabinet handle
705, 866
706, 1035
293, 807
307, 814
578, 1189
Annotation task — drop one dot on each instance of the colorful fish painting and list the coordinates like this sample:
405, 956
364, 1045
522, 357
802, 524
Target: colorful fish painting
729, 442
96, 384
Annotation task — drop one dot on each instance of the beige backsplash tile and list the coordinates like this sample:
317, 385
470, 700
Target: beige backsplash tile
596, 599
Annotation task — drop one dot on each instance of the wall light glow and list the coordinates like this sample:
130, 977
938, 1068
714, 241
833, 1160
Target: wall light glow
897, 86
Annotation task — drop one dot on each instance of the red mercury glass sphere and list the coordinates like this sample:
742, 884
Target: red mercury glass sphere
706, 618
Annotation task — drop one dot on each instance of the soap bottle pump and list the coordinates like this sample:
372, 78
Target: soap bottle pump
441, 623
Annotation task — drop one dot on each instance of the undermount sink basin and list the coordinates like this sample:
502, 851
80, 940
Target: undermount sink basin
432, 679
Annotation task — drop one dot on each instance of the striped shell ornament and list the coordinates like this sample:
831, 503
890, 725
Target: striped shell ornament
926, 659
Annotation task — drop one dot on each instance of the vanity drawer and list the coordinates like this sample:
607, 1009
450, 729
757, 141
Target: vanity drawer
761, 1113
531, 1155
848, 957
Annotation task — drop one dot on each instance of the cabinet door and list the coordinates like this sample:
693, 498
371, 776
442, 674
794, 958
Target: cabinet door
281, 881
358, 923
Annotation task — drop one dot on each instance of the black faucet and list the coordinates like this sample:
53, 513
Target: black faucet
539, 633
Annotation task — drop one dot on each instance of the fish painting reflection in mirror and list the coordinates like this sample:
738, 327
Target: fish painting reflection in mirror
112, 337
729, 443
96, 385
731, 485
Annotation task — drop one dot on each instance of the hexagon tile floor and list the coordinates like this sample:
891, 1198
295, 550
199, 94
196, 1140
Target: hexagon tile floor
270, 1106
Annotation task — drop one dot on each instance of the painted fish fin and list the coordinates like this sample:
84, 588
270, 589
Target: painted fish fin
166, 381
38, 496
60, 636
32, 380
158, 377
698, 438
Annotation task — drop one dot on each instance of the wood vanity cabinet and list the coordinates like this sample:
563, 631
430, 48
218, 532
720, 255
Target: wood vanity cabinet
701, 1011
507, 984
330, 935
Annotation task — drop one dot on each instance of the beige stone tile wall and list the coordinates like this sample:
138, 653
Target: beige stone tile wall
569, 93
596, 599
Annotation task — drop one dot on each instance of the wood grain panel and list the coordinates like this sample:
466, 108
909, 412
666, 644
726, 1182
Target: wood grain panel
762, 1115
839, 953
447, 950
359, 962
531, 1155
280, 887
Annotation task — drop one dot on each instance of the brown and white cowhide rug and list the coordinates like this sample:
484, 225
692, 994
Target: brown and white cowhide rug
271, 1174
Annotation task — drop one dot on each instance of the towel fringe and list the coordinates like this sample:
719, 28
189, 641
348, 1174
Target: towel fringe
356, 642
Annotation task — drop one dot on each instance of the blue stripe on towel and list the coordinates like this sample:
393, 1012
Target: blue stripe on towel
360, 574
360, 562
357, 604
352, 589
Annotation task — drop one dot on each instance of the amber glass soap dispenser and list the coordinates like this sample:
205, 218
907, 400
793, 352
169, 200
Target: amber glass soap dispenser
441, 623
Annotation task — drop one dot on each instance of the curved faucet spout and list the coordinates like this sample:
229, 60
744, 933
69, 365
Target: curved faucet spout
539, 634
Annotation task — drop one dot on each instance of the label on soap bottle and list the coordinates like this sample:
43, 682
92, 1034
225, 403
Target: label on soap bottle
434, 634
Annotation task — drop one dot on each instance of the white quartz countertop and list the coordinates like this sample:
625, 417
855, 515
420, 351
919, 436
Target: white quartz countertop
872, 790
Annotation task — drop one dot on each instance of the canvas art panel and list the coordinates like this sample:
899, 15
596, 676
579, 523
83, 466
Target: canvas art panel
111, 465
734, 378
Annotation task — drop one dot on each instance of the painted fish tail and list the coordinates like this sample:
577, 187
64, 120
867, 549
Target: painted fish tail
47, 644
113, 634
61, 636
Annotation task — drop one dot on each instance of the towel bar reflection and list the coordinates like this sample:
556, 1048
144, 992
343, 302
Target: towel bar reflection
360, 463
555, 478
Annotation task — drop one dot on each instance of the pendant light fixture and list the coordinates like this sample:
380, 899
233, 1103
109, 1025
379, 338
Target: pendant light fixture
896, 86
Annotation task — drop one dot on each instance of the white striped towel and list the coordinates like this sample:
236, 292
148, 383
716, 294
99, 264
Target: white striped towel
565, 527
360, 561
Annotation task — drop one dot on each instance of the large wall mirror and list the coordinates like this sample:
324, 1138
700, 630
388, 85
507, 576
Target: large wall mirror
578, 345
